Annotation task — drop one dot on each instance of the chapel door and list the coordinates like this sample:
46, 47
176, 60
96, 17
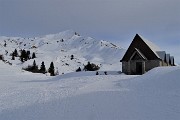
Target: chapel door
139, 68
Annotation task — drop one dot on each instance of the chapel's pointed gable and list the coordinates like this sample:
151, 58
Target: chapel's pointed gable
147, 48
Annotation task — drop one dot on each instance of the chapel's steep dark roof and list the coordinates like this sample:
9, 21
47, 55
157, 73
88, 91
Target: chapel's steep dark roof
147, 48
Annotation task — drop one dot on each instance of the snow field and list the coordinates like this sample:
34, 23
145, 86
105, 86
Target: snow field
79, 96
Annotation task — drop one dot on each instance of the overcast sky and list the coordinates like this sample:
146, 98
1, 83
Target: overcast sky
114, 20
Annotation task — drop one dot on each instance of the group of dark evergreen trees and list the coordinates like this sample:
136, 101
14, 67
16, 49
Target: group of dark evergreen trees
34, 68
24, 55
89, 67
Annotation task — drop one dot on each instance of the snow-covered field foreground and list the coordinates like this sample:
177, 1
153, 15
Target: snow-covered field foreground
85, 96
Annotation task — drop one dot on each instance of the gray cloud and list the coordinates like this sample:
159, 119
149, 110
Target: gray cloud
115, 20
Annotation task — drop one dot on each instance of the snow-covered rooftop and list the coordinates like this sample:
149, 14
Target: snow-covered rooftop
161, 54
150, 44
157, 51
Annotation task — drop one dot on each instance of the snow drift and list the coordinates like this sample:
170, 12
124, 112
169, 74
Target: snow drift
154, 95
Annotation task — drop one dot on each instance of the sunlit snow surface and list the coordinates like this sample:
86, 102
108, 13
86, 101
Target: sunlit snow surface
85, 96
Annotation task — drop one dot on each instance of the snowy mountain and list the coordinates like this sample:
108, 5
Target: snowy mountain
59, 48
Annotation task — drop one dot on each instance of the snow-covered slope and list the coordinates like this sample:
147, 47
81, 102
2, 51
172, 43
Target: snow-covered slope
86, 96
59, 48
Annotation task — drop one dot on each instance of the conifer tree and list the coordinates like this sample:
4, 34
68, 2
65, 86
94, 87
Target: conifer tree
78, 70
28, 54
88, 67
34, 67
42, 68
51, 69
23, 55
15, 53
13, 57
33, 55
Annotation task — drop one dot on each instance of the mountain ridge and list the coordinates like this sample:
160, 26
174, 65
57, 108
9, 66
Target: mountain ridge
60, 47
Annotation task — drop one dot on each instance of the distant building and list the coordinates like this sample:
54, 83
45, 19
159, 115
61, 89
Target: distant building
142, 55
